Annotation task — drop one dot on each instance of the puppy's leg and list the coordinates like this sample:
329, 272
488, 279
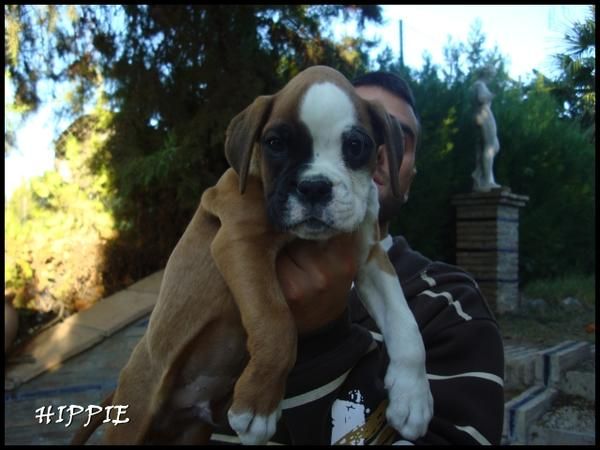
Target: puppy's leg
135, 390
411, 403
244, 250
271, 333
84, 433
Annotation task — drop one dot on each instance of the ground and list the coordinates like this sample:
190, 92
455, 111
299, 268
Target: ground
549, 326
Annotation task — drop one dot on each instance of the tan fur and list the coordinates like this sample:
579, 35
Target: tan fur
84, 433
196, 310
379, 257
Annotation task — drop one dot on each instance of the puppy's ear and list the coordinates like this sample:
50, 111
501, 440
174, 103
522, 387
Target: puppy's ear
242, 132
388, 132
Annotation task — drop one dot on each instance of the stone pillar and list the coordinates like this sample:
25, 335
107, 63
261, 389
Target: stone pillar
487, 243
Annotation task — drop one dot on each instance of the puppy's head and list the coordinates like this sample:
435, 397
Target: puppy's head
314, 145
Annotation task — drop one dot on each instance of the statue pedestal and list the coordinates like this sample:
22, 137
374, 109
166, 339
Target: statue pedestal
487, 243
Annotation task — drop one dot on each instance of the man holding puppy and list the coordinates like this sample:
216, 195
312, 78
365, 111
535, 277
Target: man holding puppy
465, 361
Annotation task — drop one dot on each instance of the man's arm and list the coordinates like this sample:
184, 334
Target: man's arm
465, 370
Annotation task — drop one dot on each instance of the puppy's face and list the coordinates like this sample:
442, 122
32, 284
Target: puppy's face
317, 159
314, 146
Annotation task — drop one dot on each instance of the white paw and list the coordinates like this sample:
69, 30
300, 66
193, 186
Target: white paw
254, 429
411, 403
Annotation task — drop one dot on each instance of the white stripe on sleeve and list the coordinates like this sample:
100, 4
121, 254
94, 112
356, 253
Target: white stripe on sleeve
483, 375
474, 434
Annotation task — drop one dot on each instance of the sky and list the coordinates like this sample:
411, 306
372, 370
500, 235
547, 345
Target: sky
526, 35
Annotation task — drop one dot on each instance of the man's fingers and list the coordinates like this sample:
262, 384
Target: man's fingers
291, 276
310, 268
341, 255
308, 256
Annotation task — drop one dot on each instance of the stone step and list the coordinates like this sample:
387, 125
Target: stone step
551, 436
523, 410
516, 351
519, 366
559, 394
526, 366
570, 421
552, 364
580, 381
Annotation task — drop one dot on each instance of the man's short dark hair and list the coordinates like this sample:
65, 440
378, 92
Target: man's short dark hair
390, 82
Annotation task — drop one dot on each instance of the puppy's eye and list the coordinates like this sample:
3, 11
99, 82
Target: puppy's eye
357, 148
274, 144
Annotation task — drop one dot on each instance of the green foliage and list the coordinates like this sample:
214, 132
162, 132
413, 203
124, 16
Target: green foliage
542, 155
180, 74
56, 226
174, 76
550, 160
576, 87
48, 42
553, 290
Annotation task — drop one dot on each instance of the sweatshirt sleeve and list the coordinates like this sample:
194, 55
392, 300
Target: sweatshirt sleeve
464, 368
464, 352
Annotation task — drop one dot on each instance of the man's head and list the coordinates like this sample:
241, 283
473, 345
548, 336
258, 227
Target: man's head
396, 97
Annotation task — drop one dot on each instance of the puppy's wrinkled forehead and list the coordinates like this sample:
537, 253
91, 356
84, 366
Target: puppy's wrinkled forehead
319, 97
326, 109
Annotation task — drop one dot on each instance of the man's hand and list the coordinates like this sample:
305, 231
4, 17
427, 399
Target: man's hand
316, 278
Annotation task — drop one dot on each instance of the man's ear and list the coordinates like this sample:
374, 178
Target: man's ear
381, 159
388, 132
242, 133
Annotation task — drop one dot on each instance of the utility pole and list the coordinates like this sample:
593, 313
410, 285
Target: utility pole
401, 46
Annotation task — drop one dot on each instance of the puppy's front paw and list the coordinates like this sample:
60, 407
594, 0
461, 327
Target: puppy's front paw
252, 428
411, 403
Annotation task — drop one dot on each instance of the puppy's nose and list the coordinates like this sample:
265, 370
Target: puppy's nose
315, 190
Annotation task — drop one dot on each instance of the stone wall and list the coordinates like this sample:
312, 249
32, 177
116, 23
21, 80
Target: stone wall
487, 243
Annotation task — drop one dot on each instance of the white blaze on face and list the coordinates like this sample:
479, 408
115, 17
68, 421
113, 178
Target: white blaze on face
328, 112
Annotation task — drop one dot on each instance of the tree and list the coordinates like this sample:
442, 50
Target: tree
173, 77
576, 86
57, 225
176, 101
542, 155
550, 159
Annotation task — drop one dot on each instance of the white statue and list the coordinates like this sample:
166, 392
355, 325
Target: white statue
483, 175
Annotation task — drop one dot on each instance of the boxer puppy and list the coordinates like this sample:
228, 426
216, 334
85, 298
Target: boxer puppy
221, 338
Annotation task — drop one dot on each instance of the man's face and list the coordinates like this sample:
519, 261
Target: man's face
396, 106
